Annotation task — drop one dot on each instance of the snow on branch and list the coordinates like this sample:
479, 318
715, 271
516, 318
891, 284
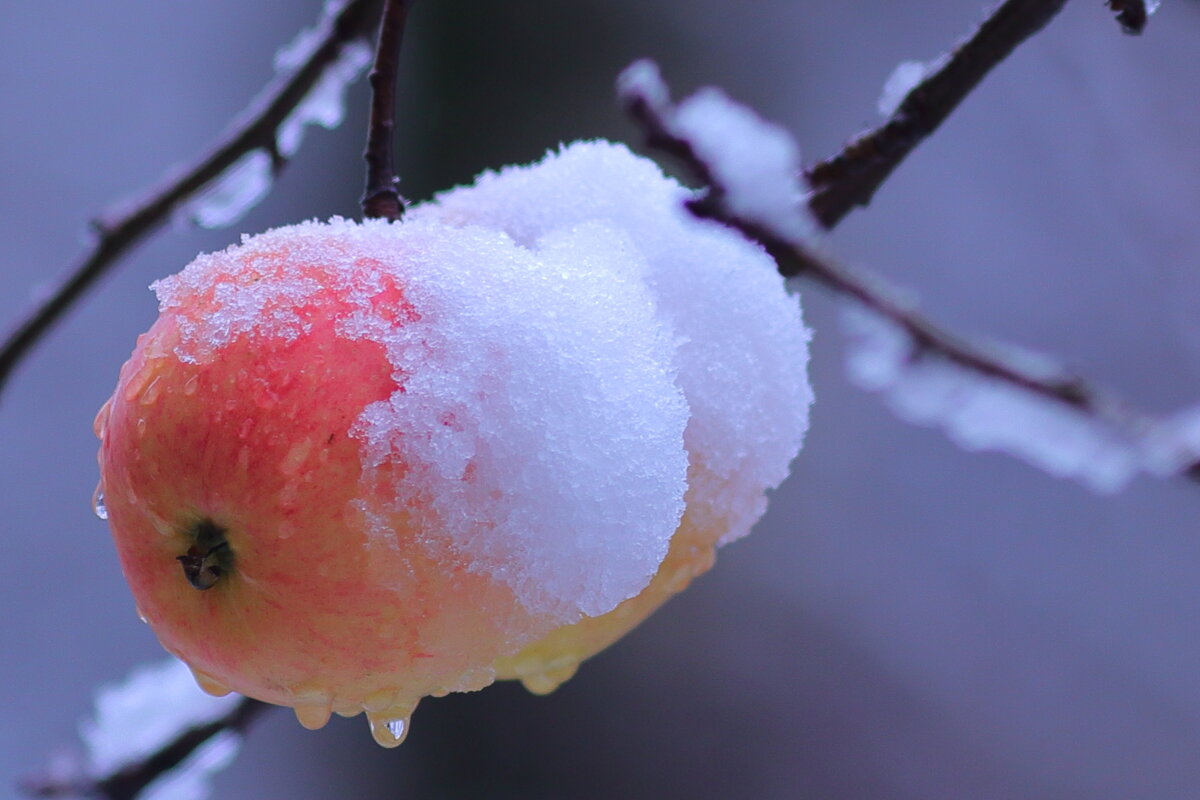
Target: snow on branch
155, 736
919, 97
236, 171
994, 399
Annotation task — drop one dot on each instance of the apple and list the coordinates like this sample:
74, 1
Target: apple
353, 465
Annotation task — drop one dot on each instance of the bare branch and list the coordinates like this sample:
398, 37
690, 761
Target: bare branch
120, 229
852, 177
381, 198
654, 114
129, 781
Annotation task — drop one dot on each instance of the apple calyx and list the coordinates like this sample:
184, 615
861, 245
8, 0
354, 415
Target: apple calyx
209, 558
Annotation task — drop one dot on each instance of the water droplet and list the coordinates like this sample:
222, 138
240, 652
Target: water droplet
549, 680
101, 421
98, 502
208, 684
141, 615
189, 388
152, 391
388, 731
313, 715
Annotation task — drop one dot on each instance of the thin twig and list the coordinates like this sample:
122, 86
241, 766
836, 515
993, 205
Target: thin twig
851, 177
117, 231
129, 781
382, 200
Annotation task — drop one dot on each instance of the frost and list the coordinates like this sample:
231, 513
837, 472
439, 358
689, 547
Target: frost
755, 162
980, 412
238, 189
151, 708
325, 104
248, 181
904, 79
192, 780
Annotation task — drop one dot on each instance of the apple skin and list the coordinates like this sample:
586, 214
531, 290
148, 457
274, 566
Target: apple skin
311, 610
312, 614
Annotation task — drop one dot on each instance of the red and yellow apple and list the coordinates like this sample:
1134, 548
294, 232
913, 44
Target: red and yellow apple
314, 508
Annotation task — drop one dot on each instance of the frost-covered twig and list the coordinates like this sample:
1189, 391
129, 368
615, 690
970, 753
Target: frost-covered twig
984, 399
851, 177
154, 732
259, 129
381, 198
131, 780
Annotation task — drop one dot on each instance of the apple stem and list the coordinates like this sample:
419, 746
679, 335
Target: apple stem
382, 200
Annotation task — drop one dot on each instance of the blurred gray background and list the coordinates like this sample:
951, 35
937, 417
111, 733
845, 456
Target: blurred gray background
909, 621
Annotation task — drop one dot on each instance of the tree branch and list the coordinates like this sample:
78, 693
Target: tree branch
795, 258
852, 177
117, 231
129, 781
382, 200
650, 108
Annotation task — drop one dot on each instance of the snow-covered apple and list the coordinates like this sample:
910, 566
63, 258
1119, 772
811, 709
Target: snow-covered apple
352, 465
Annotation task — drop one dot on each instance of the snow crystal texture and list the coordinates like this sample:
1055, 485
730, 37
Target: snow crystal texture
580, 354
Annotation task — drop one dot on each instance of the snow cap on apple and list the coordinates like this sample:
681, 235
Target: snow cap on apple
355, 464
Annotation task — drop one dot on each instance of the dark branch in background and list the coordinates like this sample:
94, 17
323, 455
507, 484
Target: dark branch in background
851, 177
129, 781
117, 231
1132, 14
382, 200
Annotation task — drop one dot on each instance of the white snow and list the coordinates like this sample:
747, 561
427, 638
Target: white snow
325, 104
581, 352
155, 704
742, 346
979, 412
904, 79
755, 162
242, 186
231, 196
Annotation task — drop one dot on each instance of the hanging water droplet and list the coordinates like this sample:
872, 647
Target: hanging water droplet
388, 731
98, 503
313, 715
208, 684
